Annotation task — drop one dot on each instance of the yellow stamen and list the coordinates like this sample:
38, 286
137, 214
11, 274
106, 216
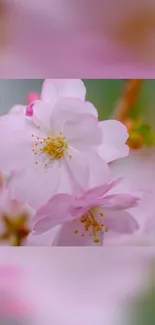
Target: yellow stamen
92, 224
53, 146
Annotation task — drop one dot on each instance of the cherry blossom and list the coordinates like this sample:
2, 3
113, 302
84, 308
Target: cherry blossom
59, 145
86, 219
138, 171
14, 216
49, 153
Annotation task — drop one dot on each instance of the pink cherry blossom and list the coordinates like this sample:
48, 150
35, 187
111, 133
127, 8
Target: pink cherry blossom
87, 218
58, 145
138, 171
114, 133
54, 150
12, 210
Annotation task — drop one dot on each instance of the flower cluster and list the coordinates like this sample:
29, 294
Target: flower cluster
58, 156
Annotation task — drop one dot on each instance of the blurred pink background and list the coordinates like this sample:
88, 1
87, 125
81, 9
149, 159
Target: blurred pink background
78, 38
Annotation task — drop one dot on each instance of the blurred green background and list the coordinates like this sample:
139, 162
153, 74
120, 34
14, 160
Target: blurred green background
104, 93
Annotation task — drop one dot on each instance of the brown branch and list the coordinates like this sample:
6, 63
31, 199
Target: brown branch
128, 99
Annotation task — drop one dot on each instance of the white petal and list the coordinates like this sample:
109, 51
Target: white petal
120, 222
49, 238
67, 237
83, 133
55, 89
78, 168
114, 137
119, 201
67, 109
16, 142
18, 109
99, 171
42, 115
36, 185
49, 93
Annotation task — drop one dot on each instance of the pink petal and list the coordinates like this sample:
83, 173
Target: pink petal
41, 115
120, 222
150, 225
66, 183
16, 142
83, 133
29, 109
57, 210
144, 213
35, 185
139, 172
100, 191
78, 168
119, 201
114, 137
67, 109
55, 89
67, 237
17, 109
49, 93
99, 171
49, 238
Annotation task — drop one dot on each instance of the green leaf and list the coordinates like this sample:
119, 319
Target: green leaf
144, 129
149, 139
146, 132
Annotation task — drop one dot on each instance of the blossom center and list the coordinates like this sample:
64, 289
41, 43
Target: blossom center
52, 147
93, 225
15, 229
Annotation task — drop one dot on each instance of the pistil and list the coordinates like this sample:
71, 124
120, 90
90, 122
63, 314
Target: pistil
92, 224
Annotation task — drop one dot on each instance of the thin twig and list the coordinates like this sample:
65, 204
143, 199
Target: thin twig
128, 99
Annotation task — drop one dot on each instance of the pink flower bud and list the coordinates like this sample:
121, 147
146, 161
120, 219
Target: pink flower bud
32, 96
29, 109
